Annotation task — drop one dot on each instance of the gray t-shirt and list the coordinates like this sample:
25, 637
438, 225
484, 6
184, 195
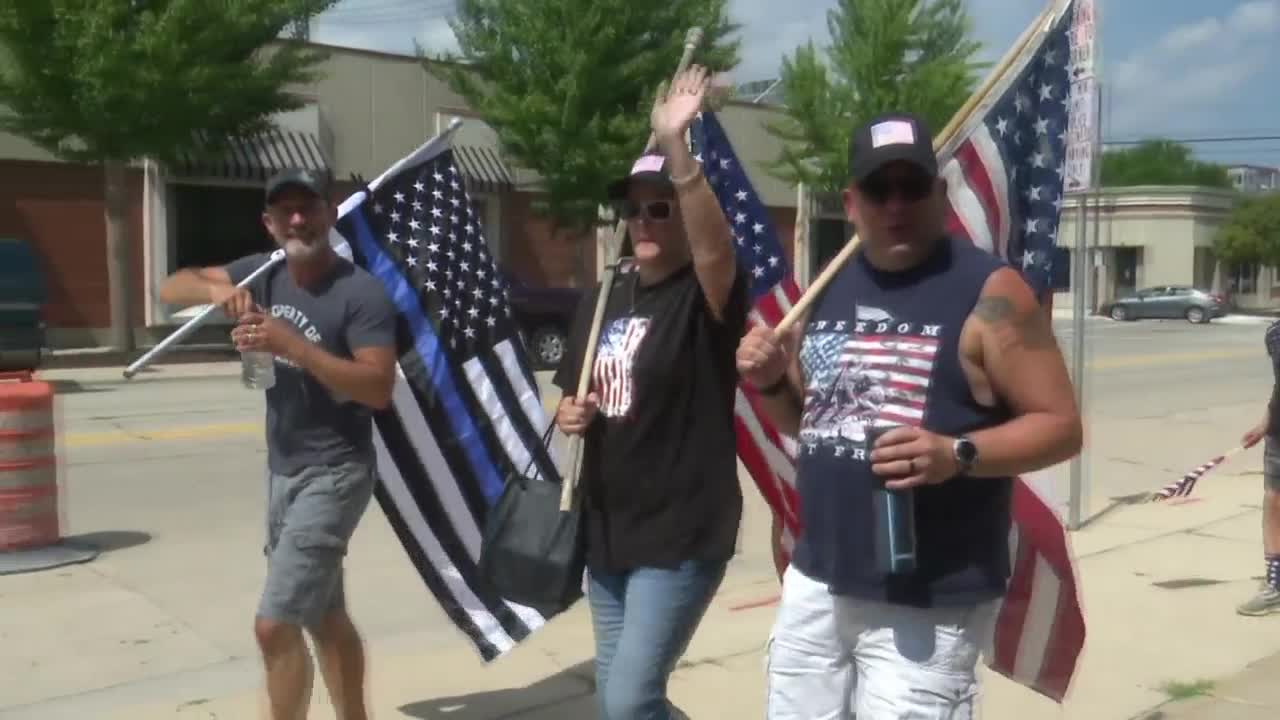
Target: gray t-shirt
307, 423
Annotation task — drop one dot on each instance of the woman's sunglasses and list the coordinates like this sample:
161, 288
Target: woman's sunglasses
656, 210
912, 188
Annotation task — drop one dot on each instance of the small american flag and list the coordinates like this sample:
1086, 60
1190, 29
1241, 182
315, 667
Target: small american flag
1183, 487
1005, 178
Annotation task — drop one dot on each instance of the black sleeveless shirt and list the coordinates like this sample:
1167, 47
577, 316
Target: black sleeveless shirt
882, 349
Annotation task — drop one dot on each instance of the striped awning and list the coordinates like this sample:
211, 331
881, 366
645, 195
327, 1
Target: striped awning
483, 168
255, 158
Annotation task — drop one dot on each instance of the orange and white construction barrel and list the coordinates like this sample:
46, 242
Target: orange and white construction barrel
30, 522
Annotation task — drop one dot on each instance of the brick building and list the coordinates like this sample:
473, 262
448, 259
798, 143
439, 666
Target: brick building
366, 111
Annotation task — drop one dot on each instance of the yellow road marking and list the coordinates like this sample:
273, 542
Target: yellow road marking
1135, 361
119, 437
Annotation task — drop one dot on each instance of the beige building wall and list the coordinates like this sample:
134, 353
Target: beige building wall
381, 107
13, 147
1171, 232
371, 109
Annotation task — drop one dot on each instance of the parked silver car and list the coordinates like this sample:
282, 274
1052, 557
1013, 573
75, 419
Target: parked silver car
1168, 301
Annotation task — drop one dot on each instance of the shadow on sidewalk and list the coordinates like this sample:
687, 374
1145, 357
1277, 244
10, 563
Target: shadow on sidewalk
108, 541
576, 684
75, 387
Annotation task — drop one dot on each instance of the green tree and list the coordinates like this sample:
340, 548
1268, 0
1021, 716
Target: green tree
1252, 233
567, 85
1160, 162
884, 55
113, 81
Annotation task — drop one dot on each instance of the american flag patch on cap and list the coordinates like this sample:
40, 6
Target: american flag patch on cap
892, 132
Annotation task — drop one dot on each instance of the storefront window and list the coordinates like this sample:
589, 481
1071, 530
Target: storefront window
1244, 278
213, 225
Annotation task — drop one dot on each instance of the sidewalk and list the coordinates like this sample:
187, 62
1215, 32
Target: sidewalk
1159, 581
1253, 694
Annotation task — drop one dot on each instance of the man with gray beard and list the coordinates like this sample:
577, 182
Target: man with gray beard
331, 329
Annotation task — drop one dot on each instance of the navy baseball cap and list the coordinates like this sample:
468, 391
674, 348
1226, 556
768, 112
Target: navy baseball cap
650, 168
890, 137
313, 182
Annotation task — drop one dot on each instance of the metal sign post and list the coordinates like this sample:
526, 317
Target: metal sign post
1081, 171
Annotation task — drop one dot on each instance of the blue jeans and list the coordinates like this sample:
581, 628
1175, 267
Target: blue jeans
643, 620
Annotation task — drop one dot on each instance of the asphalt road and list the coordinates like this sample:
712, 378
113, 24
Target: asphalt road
166, 474
1161, 398
1139, 369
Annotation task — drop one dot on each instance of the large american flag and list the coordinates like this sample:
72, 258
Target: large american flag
768, 455
465, 408
1005, 179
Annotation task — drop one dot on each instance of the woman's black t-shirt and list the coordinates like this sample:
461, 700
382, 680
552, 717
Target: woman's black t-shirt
660, 469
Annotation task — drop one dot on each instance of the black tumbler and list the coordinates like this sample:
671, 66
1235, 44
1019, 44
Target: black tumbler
894, 512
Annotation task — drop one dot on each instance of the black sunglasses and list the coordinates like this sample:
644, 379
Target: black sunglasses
913, 188
656, 210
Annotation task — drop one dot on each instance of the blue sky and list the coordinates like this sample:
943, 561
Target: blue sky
1177, 68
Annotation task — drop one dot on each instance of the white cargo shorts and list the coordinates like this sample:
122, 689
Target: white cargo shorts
837, 658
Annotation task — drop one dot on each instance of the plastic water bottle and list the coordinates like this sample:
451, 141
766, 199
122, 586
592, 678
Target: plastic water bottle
257, 370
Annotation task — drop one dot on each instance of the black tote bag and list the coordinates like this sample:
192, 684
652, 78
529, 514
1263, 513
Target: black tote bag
531, 552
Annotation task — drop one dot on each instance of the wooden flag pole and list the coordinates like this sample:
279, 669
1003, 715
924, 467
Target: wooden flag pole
1039, 25
691, 43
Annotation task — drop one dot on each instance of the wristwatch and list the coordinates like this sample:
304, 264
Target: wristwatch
966, 454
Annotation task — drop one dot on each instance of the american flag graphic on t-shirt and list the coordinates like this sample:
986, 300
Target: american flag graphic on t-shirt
872, 372
614, 369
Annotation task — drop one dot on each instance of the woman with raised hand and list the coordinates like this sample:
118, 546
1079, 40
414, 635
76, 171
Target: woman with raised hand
661, 499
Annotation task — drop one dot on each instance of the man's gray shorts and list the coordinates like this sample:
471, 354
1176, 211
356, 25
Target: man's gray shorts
310, 519
1271, 464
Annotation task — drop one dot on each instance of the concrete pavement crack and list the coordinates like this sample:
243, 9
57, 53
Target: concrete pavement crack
170, 617
1211, 536
134, 434
160, 677
717, 660
1162, 536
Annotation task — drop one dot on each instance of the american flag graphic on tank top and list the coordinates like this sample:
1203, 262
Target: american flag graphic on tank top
614, 370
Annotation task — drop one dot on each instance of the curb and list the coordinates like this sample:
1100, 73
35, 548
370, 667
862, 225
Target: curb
1245, 320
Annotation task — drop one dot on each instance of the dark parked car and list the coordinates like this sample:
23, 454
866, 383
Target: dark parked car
22, 294
544, 316
1168, 301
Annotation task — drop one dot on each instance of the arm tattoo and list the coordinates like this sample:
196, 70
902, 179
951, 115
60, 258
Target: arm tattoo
994, 309
1028, 329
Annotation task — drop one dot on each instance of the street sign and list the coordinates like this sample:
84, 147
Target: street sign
1082, 134
1082, 110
